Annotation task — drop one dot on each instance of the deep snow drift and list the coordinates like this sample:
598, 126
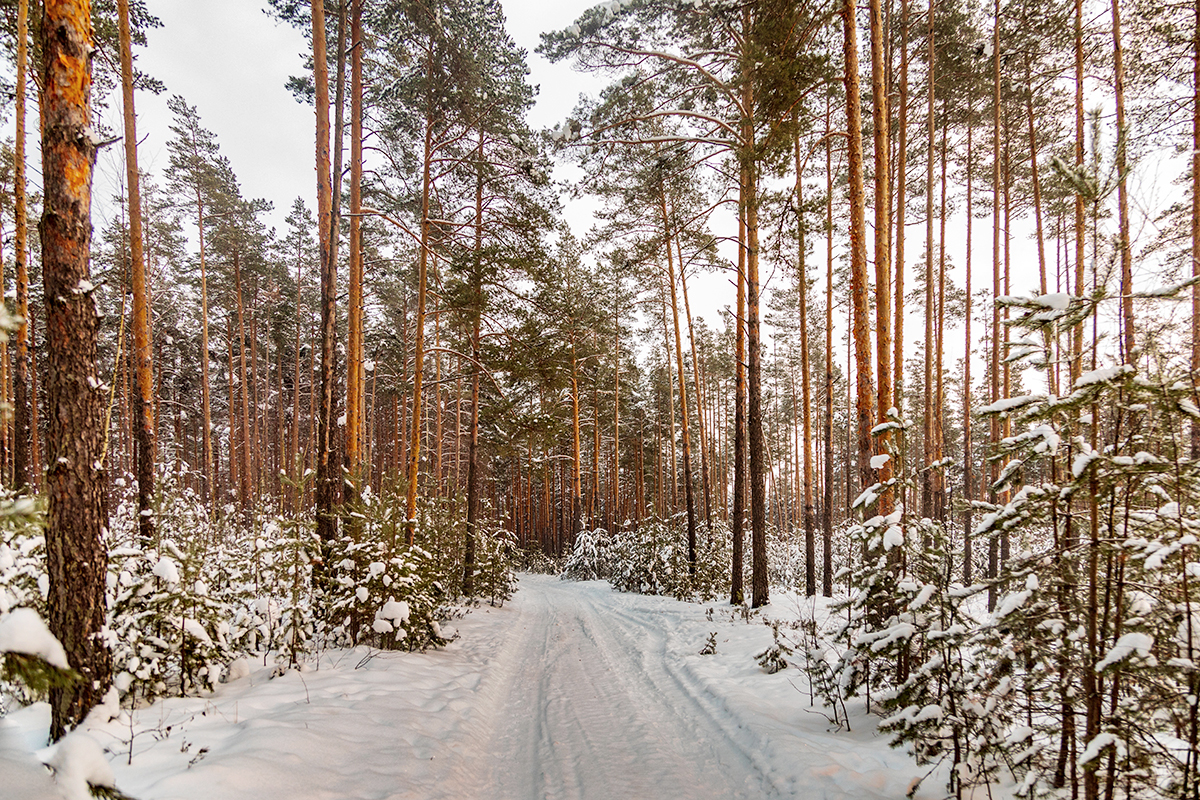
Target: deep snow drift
570, 691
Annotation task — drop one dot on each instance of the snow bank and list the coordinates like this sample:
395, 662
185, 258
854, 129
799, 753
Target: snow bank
23, 777
569, 690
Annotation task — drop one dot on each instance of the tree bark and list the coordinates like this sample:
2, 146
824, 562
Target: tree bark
21, 410
968, 456
76, 558
994, 426
827, 510
245, 473
939, 387
883, 272
901, 216
355, 374
296, 465
760, 591
328, 479
616, 462
689, 497
1195, 220
414, 453
1124, 244
473, 442
1080, 227
864, 402
737, 593
701, 427
143, 411
927, 410
810, 545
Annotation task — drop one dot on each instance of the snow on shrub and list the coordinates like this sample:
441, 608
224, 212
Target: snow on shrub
170, 631
389, 600
590, 558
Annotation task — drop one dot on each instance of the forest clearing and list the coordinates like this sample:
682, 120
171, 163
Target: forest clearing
809, 410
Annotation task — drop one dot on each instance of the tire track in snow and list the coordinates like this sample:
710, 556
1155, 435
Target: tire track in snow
582, 706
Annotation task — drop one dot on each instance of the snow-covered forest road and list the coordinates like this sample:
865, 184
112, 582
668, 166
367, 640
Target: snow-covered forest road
570, 691
590, 706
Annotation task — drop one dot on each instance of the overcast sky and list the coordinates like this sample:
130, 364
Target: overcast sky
231, 61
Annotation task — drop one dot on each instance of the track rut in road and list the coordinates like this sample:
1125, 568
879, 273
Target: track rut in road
584, 705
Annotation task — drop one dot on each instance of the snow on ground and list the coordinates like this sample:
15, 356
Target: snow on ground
570, 691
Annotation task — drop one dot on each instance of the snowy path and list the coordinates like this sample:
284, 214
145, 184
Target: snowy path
569, 692
591, 710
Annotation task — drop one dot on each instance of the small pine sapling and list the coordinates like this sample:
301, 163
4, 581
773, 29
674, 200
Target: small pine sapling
774, 658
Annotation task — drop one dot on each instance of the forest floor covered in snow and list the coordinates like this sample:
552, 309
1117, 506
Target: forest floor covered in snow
571, 690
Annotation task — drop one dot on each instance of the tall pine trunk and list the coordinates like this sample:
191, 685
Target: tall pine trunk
1195, 216
968, 456
355, 373
701, 426
861, 316
1124, 243
827, 509
810, 545
901, 216
143, 411
473, 441
737, 592
22, 434
328, 479
414, 453
76, 559
689, 496
883, 271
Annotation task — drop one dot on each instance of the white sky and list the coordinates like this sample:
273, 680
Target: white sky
231, 61
228, 58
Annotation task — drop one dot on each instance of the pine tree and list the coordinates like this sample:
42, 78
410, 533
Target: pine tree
76, 518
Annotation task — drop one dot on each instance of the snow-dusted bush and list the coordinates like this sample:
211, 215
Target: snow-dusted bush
590, 558
911, 642
392, 600
279, 614
171, 601
382, 591
170, 632
32, 661
649, 558
532, 559
1074, 666
652, 558
775, 657
23, 578
494, 578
